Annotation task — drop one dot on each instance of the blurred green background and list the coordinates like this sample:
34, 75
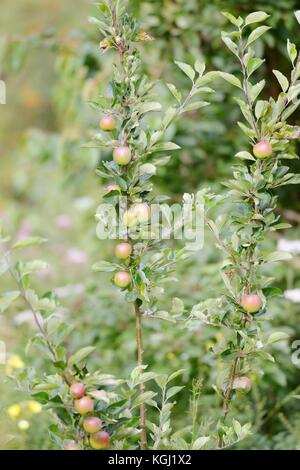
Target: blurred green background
52, 65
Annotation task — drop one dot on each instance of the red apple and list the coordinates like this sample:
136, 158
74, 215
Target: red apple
107, 123
100, 440
72, 446
84, 405
252, 303
123, 250
122, 155
122, 279
92, 424
77, 390
262, 149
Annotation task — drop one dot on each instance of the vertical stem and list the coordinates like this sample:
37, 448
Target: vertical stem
229, 387
140, 360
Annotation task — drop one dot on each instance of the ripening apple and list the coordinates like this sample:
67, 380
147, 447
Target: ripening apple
77, 390
142, 212
243, 383
252, 303
107, 123
262, 149
122, 155
130, 218
100, 440
111, 187
84, 405
122, 279
72, 446
92, 424
123, 250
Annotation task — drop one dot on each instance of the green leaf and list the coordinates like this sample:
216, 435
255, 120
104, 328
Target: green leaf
187, 69
175, 374
150, 106
283, 81
230, 79
297, 15
236, 21
278, 256
161, 147
176, 93
256, 17
278, 336
7, 298
199, 67
200, 442
253, 64
243, 155
292, 51
173, 391
196, 105
255, 90
230, 44
80, 355
104, 266
31, 241
256, 33
169, 116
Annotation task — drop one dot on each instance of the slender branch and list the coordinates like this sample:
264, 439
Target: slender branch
229, 388
140, 360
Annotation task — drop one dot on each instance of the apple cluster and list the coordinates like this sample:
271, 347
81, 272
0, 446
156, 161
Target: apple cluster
92, 425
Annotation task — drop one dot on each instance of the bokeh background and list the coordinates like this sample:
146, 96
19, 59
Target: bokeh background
52, 65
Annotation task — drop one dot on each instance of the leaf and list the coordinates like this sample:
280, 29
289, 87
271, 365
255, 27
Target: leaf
176, 93
297, 15
255, 90
169, 116
31, 241
104, 266
256, 33
187, 69
292, 51
3, 267
236, 21
200, 442
175, 374
7, 298
150, 106
173, 391
243, 155
199, 67
253, 64
278, 336
196, 105
256, 17
161, 147
80, 355
278, 256
283, 81
230, 79
230, 44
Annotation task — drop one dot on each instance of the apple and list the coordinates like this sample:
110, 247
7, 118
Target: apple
72, 446
122, 279
243, 383
262, 149
92, 424
111, 187
107, 123
84, 405
77, 390
123, 250
138, 213
122, 155
100, 440
252, 303
142, 212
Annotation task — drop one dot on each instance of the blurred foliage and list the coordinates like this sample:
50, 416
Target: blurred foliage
52, 66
